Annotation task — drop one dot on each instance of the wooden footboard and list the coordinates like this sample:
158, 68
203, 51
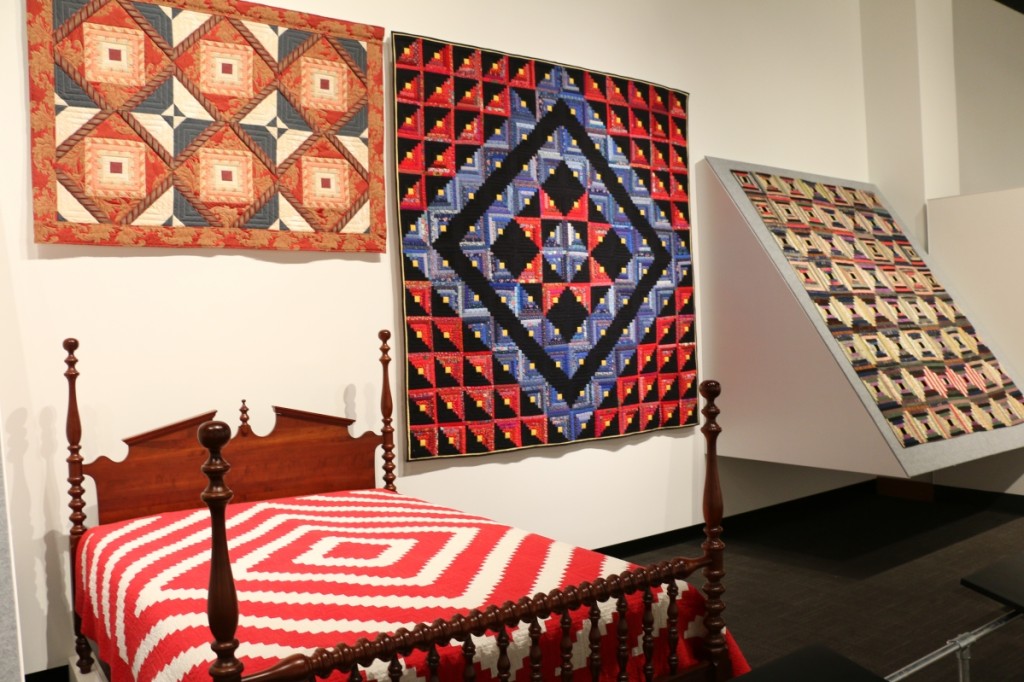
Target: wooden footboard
495, 620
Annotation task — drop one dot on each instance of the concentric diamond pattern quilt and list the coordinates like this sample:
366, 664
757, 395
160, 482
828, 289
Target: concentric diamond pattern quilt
326, 569
545, 240
205, 123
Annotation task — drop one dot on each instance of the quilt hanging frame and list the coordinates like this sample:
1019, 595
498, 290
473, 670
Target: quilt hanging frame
929, 380
543, 212
205, 123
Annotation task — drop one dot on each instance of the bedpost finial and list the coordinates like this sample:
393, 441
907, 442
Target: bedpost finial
710, 389
243, 417
70, 346
384, 335
214, 435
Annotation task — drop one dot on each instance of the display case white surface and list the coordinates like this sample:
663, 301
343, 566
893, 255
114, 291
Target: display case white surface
793, 403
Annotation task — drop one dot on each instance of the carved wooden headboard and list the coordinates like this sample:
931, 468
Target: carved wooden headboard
305, 453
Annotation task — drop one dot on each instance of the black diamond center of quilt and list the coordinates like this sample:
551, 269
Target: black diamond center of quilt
564, 189
612, 254
567, 314
514, 249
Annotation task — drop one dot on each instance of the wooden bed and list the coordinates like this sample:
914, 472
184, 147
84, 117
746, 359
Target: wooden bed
153, 479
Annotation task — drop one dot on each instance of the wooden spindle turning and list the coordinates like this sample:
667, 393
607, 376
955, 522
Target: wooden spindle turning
386, 410
594, 639
713, 546
76, 477
536, 659
565, 645
648, 636
243, 418
433, 662
504, 663
622, 638
468, 653
673, 627
222, 601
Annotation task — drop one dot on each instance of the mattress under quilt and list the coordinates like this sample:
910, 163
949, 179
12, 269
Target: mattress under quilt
321, 570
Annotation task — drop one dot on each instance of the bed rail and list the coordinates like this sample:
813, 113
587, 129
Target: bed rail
497, 620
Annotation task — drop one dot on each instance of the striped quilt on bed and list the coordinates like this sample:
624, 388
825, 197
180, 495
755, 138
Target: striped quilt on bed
324, 569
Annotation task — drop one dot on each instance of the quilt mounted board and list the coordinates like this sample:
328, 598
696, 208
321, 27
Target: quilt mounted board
936, 391
544, 221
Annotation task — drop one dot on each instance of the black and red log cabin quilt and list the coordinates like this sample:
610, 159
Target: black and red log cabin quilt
545, 237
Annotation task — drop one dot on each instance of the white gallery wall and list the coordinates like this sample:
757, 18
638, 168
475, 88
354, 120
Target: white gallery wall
974, 228
168, 334
989, 49
10, 639
893, 101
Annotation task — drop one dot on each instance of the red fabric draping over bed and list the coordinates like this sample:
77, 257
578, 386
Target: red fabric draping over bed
325, 569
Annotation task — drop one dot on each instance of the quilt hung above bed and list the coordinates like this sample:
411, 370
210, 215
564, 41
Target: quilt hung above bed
205, 123
545, 240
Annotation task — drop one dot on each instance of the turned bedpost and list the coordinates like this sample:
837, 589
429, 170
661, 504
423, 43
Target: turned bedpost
75, 479
222, 601
386, 409
713, 546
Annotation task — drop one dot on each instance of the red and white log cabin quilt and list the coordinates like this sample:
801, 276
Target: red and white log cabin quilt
325, 569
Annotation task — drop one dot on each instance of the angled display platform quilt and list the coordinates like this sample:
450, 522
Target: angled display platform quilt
936, 391
545, 242
214, 123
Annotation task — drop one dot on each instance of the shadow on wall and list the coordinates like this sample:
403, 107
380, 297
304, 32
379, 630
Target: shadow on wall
34, 503
55, 557
10, 644
59, 637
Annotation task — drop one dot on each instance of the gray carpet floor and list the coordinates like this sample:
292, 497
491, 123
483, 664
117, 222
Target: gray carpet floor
875, 578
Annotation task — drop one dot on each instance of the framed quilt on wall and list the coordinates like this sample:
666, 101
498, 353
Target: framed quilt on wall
214, 123
545, 240
934, 388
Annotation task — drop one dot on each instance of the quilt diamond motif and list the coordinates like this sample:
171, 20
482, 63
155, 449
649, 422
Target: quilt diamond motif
205, 123
545, 241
